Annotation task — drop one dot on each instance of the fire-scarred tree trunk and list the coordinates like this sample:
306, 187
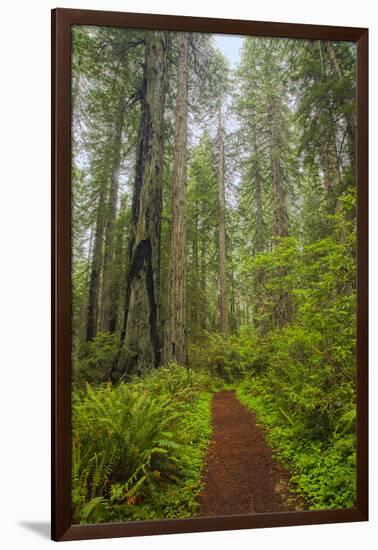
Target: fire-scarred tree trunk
105, 309
280, 217
175, 326
139, 333
223, 317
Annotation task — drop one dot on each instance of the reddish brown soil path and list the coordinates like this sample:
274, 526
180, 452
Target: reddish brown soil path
241, 477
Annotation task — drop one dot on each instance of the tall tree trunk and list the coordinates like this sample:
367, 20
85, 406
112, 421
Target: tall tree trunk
105, 309
84, 307
329, 162
223, 317
203, 315
175, 325
280, 217
233, 315
259, 246
348, 114
331, 172
280, 225
139, 333
259, 240
95, 273
197, 291
119, 268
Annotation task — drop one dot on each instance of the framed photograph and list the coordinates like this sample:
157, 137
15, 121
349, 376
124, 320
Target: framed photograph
209, 267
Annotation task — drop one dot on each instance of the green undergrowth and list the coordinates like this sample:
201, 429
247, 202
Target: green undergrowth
229, 358
323, 468
138, 448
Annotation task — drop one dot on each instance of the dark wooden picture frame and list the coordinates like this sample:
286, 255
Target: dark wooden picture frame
62, 19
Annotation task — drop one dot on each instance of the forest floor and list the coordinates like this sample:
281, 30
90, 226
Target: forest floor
241, 476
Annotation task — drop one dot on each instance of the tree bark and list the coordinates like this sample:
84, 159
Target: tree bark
280, 217
233, 316
175, 345
259, 245
259, 241
196, 287
331, 173
139, 333
223, 317
280, 225
203, 310
348, 116
119, 267
95, 274
84, 307
105, 309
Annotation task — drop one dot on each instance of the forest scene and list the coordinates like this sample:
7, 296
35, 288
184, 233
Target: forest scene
213, 274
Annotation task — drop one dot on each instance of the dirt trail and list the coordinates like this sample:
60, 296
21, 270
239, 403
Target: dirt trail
241, 476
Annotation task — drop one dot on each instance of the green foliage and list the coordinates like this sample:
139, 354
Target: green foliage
137, 448
289, 116
229, 358
97, 358
323, 467
305, 395
300, 378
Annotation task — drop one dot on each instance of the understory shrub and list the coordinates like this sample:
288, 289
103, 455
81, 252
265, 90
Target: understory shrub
228, 358
318, 447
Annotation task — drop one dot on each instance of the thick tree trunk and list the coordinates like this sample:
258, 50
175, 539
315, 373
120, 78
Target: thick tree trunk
107, 277
223, 317
139, 333
95, 273
280, 217
175, 325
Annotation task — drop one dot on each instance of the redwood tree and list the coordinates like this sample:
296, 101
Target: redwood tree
175, 325
139, 333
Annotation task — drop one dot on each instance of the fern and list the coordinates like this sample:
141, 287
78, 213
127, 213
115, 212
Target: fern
134, 441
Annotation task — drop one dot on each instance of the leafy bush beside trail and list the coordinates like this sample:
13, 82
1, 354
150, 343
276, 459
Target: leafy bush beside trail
305, 398
229, 358
324, 469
